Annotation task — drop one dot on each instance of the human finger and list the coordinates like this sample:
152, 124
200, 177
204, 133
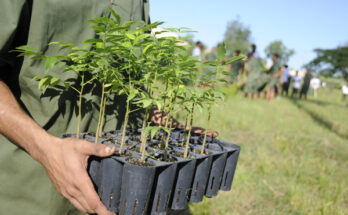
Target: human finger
76, 204
97, 149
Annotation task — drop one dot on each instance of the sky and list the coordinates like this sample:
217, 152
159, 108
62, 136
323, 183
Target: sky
302, 25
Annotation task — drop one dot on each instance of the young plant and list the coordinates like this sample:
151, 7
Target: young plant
76, 61
211, 93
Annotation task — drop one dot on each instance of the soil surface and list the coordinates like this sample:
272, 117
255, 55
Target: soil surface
126, 154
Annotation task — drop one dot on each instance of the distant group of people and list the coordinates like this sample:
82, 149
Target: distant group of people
261, 82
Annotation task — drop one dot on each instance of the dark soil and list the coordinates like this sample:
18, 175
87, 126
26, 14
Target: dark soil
162, 158
118, 142
135, 138
127, 154
137, 161
158, 146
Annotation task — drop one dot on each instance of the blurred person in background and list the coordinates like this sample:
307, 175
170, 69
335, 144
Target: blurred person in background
197, 50
315, 85
254, 51
275, 73
253, 70
344, 91
286, 81
236, 68
306, 83
296, 84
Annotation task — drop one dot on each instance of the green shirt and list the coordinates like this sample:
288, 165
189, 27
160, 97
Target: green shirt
253, 66
275, 68
236, 67
24, 186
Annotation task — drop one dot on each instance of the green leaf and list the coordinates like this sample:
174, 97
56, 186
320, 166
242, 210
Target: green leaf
158, 105
131, 96
199, 107
222, 51
146, 48
43, 81
146, 103
99, 45
147, 130
117, 17
107, 85
95, 40
233, 59
38, 77
54, 81
130, 36
26, 48
154, 131
50, 62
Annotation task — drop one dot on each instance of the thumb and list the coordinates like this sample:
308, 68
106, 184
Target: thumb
97, 149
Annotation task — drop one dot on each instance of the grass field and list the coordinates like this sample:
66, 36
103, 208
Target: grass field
294, 157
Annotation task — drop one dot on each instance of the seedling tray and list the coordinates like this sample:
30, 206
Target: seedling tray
128, 188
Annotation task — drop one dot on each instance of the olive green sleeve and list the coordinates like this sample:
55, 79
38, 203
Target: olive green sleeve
147, 11
14, 21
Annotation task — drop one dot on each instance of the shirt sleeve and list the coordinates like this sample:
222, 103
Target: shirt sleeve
13, 22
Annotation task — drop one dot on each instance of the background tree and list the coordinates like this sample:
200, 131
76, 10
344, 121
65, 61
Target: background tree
331, 62
237, 36
279, 48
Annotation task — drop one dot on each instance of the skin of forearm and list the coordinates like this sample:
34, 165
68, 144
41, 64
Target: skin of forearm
16, 125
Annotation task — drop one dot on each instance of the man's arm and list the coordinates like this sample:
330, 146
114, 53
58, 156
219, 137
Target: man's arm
65, 160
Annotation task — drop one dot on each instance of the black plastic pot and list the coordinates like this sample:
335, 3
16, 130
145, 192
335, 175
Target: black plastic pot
163, 185
137, 183
231, 164
94, 170
182, 183
109, 190
200, 179
217, 170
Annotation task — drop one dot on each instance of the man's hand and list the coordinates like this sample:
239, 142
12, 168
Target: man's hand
65, 161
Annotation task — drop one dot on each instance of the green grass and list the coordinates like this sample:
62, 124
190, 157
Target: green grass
294, 157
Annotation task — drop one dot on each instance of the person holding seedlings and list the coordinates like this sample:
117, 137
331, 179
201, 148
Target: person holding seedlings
31, 122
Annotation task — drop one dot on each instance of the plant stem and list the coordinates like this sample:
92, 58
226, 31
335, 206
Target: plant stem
189, 133
143, 136
169, 133
80, 104
100, 115
188, 139
124, 127
206, 131
183, 136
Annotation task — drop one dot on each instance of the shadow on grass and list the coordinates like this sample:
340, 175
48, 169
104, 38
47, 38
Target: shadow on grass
322, 103
317, 118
